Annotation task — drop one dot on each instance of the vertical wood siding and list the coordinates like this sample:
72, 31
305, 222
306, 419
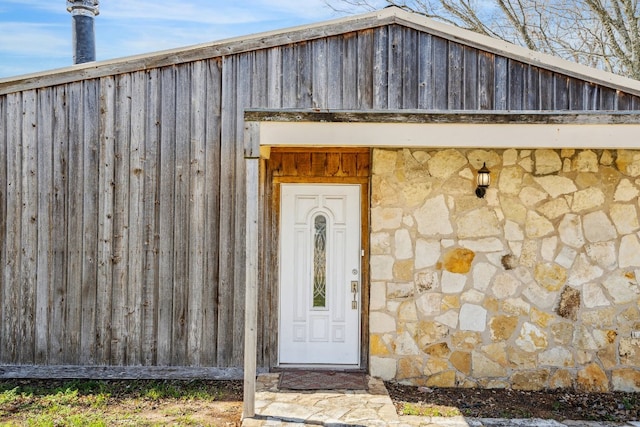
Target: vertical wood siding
121, 198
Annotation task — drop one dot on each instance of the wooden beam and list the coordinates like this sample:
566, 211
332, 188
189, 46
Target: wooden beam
118, 372
251, 293
453, 129
443, 117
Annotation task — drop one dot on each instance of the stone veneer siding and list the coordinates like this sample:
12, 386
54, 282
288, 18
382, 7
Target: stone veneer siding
535, 286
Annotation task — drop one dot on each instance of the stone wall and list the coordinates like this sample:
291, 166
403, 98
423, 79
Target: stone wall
535, 286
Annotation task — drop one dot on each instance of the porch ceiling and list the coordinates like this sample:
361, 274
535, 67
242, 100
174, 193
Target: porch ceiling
410, 128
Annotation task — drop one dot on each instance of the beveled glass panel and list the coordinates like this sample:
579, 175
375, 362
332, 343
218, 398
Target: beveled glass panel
320, 262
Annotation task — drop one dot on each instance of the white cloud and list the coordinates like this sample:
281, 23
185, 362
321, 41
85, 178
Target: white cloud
56, 6
185, 11
28, 39
126, 27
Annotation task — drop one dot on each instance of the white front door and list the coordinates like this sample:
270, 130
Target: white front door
319, 274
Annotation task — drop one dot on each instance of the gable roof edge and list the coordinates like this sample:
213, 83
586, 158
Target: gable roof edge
203, 51
516, 52
282, 37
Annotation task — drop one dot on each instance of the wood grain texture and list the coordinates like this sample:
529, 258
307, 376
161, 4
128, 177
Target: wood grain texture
122, 190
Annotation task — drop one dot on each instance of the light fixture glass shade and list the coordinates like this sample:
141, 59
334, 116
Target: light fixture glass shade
484, 176
483, 179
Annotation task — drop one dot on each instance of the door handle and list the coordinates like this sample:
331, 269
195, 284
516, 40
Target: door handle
354, 290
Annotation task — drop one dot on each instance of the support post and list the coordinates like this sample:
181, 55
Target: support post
252, 163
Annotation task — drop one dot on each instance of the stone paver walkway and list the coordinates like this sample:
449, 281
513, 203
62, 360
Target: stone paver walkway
353, 408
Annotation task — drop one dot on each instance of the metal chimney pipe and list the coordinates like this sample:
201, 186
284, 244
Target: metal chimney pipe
84, 39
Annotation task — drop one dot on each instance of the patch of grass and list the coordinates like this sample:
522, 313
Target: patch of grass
104, 403
425, 410
629, 403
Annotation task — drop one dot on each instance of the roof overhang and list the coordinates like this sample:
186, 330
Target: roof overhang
445, 129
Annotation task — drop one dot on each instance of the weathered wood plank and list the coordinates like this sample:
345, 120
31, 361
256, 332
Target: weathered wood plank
320, 80
289, 78
196, 329
380, 68
269, 293
501, 83
274, 77
166, 208
576, 95
251, 286
212, 211
120, 309
121, 372
591, 96
29, 229
304, 74
106, 181
440, 74
227, 204
623, 101
561, 91
365, 69
91, 163
44, 248
409, 69
425, 71
181, 278
151, 237
486, 89
75, 215
11, 270
547, 90
335, 48
3, 219
532, 93
517, 86
57, 333
607, 99
455, 77
259, 81
135, 229
395, 70
242, 102
350, 71
470, 79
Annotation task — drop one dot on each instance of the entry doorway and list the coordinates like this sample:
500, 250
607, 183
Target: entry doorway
320, 277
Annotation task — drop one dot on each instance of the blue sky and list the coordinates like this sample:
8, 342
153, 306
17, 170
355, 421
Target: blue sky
36, 35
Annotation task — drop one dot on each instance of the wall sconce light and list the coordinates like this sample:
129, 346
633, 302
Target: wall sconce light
483, 180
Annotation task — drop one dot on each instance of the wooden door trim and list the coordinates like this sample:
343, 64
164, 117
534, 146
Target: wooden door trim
360, 177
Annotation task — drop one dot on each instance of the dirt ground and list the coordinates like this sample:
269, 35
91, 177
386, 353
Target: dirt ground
500, 403
226, 409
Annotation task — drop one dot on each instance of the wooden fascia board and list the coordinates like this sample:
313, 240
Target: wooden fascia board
441, 130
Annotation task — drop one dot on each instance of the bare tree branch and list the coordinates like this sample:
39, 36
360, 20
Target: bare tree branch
600, 33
